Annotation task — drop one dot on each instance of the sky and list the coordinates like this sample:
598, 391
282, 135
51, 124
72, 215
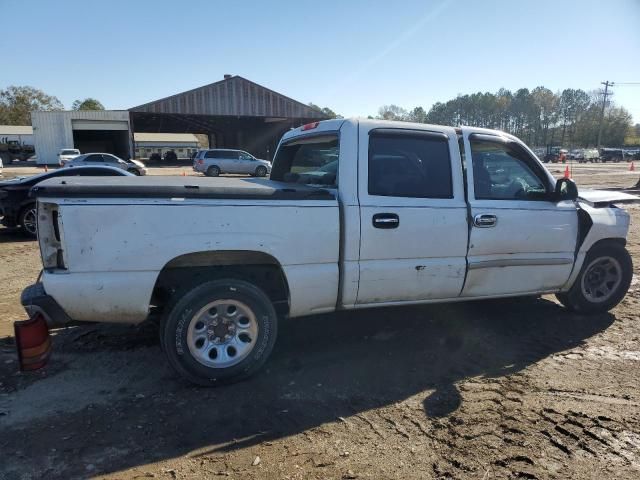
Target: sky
350, 55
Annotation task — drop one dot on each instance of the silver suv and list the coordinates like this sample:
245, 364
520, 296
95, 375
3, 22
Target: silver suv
213, 162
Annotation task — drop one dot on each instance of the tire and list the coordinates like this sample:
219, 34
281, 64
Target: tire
27, 219
261, 171
227, 346
134, 171
591, 293
213, 171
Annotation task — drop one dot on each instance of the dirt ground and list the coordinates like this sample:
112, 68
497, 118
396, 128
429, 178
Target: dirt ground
517, 388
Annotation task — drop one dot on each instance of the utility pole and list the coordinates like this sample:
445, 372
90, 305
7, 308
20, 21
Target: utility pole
606, 84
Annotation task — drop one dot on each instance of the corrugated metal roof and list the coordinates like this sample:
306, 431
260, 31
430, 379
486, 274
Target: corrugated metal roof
165, 137
16, 130
235, 96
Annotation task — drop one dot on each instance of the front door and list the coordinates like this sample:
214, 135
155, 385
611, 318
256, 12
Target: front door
521, 240
413, 217
246, 163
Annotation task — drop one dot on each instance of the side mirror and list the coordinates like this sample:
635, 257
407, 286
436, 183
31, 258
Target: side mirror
566, 189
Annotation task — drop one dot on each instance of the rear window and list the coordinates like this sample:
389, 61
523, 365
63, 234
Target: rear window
409, 165
69, 152
309, 160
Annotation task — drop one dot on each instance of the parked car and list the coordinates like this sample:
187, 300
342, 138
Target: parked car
19, 210
132, 166
612, 155
155, 157
170, 156
67, 154
213, 162
397, 219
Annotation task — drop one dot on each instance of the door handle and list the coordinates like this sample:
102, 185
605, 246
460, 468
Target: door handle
485, 220
386, 220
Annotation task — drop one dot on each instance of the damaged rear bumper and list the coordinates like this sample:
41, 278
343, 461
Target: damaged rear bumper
34, 299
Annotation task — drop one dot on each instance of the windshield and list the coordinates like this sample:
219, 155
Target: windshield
69, 152
310, 160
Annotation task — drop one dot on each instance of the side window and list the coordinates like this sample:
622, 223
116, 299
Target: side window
233, 155
97, 172
503, 171
409, 165
211, 154
245, 156
309, 160
93, 158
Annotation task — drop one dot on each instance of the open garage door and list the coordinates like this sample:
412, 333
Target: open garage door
102, 136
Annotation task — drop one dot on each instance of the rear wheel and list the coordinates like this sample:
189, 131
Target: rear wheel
219, 332
28, 220
213, 171
603, 280
261, 171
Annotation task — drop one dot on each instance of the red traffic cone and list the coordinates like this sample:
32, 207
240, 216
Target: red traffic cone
566, 172
632, 168
184, 174
46, 169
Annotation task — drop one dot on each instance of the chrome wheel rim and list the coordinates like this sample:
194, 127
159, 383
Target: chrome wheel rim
29, 221
601, 279
222, 333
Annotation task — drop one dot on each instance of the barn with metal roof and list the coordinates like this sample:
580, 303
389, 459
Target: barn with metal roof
233, 113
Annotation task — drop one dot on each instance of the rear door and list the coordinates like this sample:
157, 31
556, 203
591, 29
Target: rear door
521, 241
231, 162
413, 216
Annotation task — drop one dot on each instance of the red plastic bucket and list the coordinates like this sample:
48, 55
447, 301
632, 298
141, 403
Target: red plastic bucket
32, 342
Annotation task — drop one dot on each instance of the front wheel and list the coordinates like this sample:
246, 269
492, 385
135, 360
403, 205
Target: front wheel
134, 171
219, 332
28, 221
261, 171
603, 280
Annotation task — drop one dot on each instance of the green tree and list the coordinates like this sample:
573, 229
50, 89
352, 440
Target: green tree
326, 111
392, 112
17, 103
417, 115
87, 104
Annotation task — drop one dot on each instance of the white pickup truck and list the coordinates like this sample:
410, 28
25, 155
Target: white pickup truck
355, 214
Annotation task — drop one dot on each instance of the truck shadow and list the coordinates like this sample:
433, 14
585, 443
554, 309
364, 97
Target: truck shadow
324, 369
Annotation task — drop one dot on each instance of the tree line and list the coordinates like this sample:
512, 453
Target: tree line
538, 117
16, 103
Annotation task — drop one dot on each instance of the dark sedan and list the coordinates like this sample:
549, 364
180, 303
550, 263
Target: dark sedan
18, 210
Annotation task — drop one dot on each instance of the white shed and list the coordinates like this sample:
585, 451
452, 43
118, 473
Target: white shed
87, 130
